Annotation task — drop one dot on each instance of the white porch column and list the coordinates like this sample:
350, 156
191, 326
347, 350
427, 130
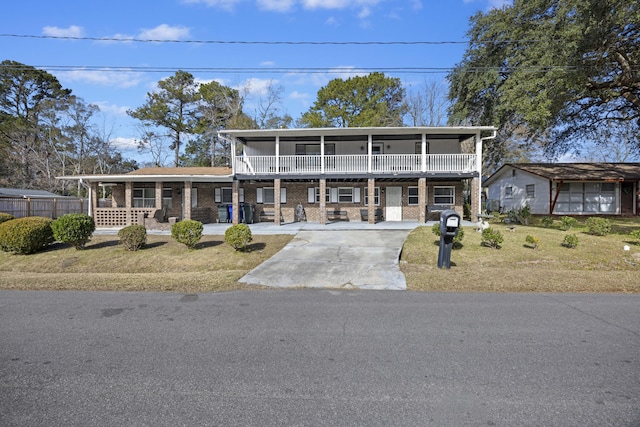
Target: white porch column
424, 152
369, 151
277, 154
322, 154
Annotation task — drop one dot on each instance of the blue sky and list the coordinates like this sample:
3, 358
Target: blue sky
125, 76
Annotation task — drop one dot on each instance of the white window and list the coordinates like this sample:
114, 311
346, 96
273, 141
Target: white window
376, 196
531, 191
223, 195
508, 192
345, 194
144, 197
167, 198
265, 195
444, 195
316, 195
413, 195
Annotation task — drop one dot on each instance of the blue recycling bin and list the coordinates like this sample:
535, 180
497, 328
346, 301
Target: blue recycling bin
231, 214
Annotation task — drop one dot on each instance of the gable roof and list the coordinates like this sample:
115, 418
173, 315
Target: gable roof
576, 171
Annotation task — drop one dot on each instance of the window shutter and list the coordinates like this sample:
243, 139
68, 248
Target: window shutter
217, 195
334, 195
283, 195
241, 195
259, 195
311, 195
356, 195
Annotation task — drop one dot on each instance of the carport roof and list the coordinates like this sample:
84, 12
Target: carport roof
576, 171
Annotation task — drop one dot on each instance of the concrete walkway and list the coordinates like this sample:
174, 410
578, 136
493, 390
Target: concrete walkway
353, 259
354, 255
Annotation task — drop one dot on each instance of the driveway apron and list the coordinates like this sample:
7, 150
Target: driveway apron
356, 259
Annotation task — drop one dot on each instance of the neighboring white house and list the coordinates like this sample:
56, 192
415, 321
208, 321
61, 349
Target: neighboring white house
566, 188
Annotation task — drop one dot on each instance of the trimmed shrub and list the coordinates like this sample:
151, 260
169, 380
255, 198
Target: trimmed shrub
73, 229
598, 226
133, 237
491, 238
238, 236
26, 235
547, 221
187, 232
570, 241
4, 217
568, 222
533, 241
457, 240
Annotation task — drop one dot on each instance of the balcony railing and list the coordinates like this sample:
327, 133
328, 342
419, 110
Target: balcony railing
354, 164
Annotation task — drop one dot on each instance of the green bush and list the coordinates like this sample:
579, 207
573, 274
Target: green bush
547, 221
533, 241
187, 232
491, 238
635, 234
457, 240
598, 226
133, 237
568, 222
238, 236
73, 229
4, 217
570, 241
521, 215
25, 235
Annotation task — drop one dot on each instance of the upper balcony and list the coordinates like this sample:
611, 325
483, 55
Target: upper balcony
357, 164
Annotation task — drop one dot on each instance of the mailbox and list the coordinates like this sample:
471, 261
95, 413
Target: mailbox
449, 226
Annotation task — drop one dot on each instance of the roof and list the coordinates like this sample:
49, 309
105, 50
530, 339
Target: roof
22, 192
201, 174
576, 171
256, 134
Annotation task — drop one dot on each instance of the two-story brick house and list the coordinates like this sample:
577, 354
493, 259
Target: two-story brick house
354, 174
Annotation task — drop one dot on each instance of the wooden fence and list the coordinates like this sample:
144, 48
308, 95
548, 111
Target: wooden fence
48, 207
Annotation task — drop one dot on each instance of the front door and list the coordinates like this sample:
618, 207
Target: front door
626, 198
394, 204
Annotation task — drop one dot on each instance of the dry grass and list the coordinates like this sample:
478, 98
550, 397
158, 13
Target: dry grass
163, 265
598, 264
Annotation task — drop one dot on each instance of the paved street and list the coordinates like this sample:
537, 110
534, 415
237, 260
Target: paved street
319, 357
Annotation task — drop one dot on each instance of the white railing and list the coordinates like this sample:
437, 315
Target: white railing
355, 163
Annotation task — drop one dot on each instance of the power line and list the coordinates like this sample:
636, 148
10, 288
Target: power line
253, 42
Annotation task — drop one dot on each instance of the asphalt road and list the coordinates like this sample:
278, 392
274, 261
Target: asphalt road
319, 357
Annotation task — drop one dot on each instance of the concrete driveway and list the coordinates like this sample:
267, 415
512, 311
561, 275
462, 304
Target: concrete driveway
353, 259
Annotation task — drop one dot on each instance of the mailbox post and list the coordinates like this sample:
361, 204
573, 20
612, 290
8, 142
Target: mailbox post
449, 226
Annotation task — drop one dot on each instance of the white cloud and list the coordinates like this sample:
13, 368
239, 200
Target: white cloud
267, 64
119, 78
276, 5
364, 13
332, 22
222, 4
116, 110
256, 86
338, 4
416, 4
124, 143
498, 4
165, 32
72, 31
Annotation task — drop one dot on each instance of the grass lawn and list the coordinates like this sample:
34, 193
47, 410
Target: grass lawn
597, 264
163, 265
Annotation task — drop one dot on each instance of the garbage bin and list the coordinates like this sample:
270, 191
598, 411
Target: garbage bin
231, 214
223, 213
449, 226
248, 211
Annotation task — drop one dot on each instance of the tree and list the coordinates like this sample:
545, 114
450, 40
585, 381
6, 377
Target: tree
27, 94
173, 106
371, 100
427, 106
269, 113
557, 70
